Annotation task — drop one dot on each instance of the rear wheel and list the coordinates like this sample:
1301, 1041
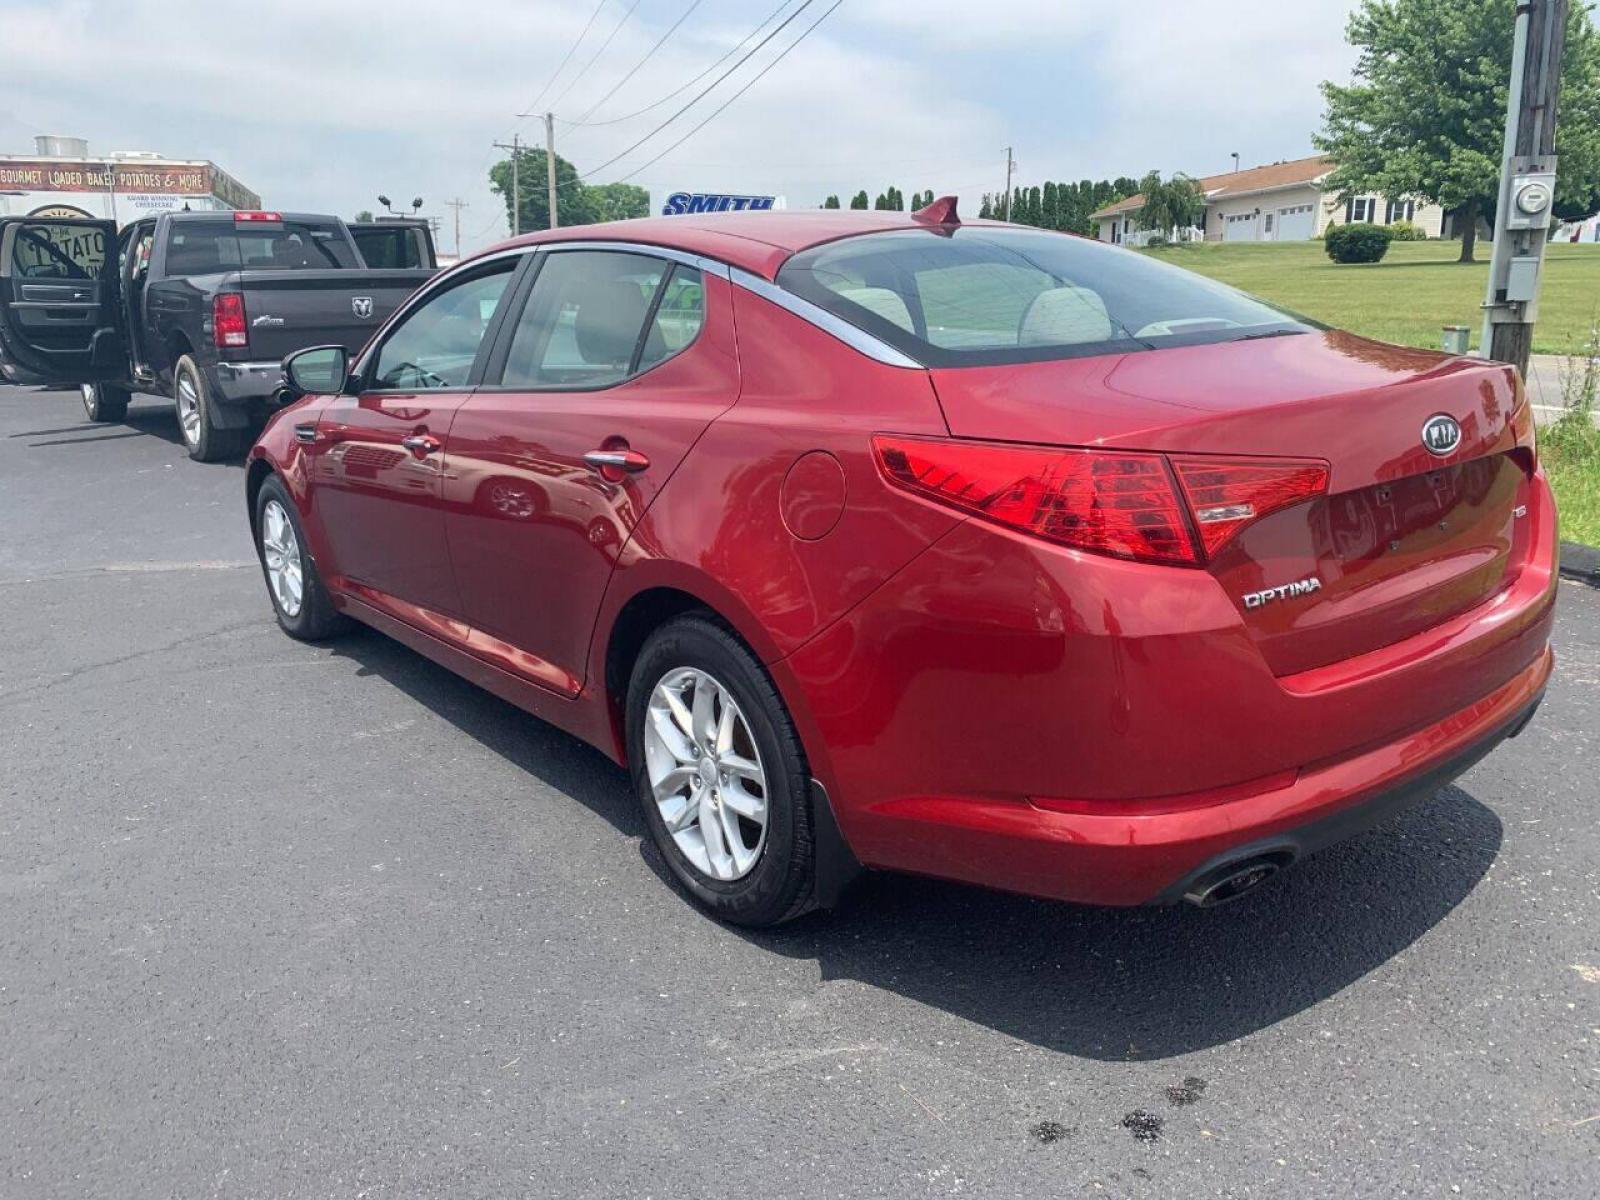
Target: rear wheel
299, 600
721, 774
103, 402
197, 416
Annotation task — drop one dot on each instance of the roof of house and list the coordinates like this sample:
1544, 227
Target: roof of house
1236, 183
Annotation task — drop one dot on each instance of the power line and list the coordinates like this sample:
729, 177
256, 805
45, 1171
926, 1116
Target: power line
707, 91
593, 58
781, 55
534, 102
661, 41
678, 91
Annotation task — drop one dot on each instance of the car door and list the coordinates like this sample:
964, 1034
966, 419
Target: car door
376, 457
601, 380
60, 316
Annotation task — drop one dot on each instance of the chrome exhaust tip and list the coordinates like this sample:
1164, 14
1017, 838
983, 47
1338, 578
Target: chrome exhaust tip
1232, 882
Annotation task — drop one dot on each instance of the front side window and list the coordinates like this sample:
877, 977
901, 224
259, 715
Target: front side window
982, 296
584, 321
388, 247
436, 344
48, 250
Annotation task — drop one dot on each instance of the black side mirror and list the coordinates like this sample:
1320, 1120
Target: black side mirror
319, 370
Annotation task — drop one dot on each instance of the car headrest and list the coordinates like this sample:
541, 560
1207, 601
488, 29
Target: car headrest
609, 318
883, 302
1064, 316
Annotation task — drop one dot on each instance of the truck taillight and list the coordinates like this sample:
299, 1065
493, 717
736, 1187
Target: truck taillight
1226, 494
228, 328
1107, 502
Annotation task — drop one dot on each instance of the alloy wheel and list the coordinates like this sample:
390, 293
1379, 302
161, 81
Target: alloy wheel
280, 550
90, 400
705, 774
189, 409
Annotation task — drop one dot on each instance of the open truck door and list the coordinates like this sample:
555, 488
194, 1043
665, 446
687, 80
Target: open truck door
60, 314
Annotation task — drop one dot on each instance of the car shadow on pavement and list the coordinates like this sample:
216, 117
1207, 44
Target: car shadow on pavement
153, 418
1102, 983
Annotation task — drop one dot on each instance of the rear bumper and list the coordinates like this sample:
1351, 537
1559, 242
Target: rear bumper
243, 382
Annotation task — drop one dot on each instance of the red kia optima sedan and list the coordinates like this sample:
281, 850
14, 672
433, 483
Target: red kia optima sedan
956, 548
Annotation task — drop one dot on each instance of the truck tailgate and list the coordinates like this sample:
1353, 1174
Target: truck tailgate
287, 311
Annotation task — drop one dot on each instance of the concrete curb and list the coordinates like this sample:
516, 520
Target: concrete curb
1581, 563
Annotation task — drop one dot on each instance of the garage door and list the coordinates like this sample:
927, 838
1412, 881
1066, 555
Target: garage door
1240, 227
1296, 224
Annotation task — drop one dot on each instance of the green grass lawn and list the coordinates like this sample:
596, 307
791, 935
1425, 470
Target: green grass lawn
1410, 295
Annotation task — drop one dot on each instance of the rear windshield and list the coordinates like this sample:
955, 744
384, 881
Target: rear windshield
385, 246
983, 296
207, 247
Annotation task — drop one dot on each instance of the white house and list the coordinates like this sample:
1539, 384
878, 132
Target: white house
1280, 202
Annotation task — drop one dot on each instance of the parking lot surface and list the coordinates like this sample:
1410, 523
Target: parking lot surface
287, 920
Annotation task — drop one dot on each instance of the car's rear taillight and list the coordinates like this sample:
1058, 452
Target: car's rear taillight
228, 328
1108, 502
1226, 494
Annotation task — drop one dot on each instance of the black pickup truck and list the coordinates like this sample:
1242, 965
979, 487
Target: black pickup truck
198, 306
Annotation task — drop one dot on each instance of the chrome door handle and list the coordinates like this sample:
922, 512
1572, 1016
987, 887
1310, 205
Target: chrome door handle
421, 443
630, 461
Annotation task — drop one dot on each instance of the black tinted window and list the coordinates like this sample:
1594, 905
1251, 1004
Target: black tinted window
582, 324
985, 295
207, 247
434, 346
52, 250
387, 247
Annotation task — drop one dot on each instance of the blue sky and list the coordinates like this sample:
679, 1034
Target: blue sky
322, 106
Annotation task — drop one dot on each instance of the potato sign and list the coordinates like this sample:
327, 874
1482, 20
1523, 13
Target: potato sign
51, 251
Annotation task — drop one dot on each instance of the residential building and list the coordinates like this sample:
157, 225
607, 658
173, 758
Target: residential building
1280, 202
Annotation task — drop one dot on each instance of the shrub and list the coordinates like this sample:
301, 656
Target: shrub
1157, 240
1405, 231
1357, 243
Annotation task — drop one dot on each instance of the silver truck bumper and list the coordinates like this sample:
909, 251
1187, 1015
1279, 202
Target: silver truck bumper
241, 381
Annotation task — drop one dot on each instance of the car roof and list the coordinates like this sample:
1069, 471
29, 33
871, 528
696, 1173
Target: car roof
758, 242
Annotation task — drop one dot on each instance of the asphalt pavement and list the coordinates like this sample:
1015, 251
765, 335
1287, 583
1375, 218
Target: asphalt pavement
289, 921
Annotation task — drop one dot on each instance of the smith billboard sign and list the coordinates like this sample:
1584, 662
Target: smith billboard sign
681, 203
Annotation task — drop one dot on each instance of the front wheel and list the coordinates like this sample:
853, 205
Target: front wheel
721, 774
299, 600
102, 402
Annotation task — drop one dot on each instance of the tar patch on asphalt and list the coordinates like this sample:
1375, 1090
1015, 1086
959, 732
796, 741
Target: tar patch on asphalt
1181, 1095
1145, 1126
1047, 1132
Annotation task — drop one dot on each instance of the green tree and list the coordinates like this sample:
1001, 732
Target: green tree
1424, 116
1170, 204
831, 202
859, 200
574, 207
610, 202
364, 217
986, 209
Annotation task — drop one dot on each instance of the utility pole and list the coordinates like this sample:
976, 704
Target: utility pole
1011, 165
550, 164
458, 204
516, 181
1527, 182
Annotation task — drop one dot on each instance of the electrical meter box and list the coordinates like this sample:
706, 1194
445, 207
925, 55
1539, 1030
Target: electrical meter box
1533, 195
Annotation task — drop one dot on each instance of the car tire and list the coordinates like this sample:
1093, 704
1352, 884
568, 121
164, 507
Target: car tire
197, 416
102, 402
692, 653
287, 566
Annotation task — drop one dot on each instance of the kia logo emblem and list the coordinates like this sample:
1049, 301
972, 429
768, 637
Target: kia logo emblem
1441, 435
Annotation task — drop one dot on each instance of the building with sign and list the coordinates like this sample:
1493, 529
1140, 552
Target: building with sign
60, 179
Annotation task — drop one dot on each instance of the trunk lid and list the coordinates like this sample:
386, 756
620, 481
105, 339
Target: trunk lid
287, 311
1403, 539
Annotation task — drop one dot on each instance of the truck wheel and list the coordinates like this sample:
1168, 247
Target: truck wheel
197, 416
299, 601
103, 402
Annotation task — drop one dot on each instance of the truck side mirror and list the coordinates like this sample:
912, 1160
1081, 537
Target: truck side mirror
318, 370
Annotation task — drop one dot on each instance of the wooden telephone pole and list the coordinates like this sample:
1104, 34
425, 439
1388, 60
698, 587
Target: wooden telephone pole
458, 204
550, 165
1005, 201
1527, 182
516, 183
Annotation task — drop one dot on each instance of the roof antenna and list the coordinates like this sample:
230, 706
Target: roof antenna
941, 212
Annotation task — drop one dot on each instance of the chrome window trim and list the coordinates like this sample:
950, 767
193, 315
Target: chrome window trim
857, 339
709, 265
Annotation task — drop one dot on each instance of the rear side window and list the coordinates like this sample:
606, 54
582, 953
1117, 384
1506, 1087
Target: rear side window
387, 247
584, 323
983, 296
47, 250
209, 247
678, 318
